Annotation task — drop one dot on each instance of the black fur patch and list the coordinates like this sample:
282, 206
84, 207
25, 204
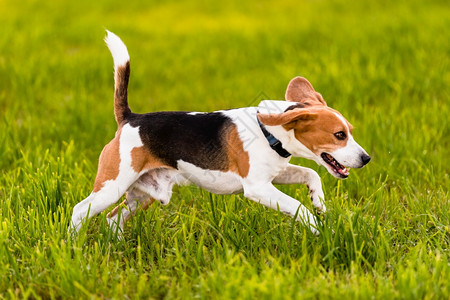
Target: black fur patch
197, 139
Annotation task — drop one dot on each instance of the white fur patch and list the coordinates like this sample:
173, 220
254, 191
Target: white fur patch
193, 113
273, 106
118, 49
157, 184
214, 181
350, 155
265, 163
342, 119
129, 139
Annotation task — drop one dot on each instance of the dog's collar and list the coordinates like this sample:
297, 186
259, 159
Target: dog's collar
274, 143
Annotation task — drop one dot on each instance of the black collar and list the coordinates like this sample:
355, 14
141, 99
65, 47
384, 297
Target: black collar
274, 143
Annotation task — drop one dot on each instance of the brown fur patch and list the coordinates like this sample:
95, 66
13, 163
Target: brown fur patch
142, 159
314, 126
287, 118
318, 134
238, 159
300, 90
109, 161
121, 78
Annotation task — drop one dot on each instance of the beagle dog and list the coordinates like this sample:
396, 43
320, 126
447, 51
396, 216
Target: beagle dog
225, 152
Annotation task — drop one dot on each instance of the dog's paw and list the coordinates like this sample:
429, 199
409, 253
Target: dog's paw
321, 210
314, 231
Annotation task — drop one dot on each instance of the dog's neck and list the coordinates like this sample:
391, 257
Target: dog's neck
274, 143
287, 138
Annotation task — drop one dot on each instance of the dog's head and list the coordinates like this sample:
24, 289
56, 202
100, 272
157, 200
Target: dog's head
315, 131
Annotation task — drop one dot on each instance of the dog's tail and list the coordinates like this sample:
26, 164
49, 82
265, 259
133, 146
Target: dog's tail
121, 58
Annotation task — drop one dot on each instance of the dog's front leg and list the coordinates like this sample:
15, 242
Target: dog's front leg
270, 196
295, 174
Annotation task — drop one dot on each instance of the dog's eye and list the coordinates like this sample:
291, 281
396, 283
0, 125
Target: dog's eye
340, 135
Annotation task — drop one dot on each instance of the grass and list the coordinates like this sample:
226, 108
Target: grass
383, 64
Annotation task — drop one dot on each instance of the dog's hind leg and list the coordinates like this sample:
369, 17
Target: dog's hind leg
135, 199
154, 185
100, 200
296, 174
115, 175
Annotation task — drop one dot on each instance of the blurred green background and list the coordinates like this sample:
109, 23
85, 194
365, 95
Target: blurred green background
383, 64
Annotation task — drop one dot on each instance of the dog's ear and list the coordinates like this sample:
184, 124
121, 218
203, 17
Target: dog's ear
300, 90
287, 119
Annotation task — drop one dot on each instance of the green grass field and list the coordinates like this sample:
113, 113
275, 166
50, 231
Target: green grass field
383, 64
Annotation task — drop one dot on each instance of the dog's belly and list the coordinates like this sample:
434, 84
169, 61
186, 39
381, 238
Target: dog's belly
214, 181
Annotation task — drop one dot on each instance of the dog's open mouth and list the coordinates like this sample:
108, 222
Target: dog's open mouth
339, 169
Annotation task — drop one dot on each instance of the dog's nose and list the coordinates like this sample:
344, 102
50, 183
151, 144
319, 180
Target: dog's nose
365, 159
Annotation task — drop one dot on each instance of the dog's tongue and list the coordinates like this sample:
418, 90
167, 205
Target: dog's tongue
343, 171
